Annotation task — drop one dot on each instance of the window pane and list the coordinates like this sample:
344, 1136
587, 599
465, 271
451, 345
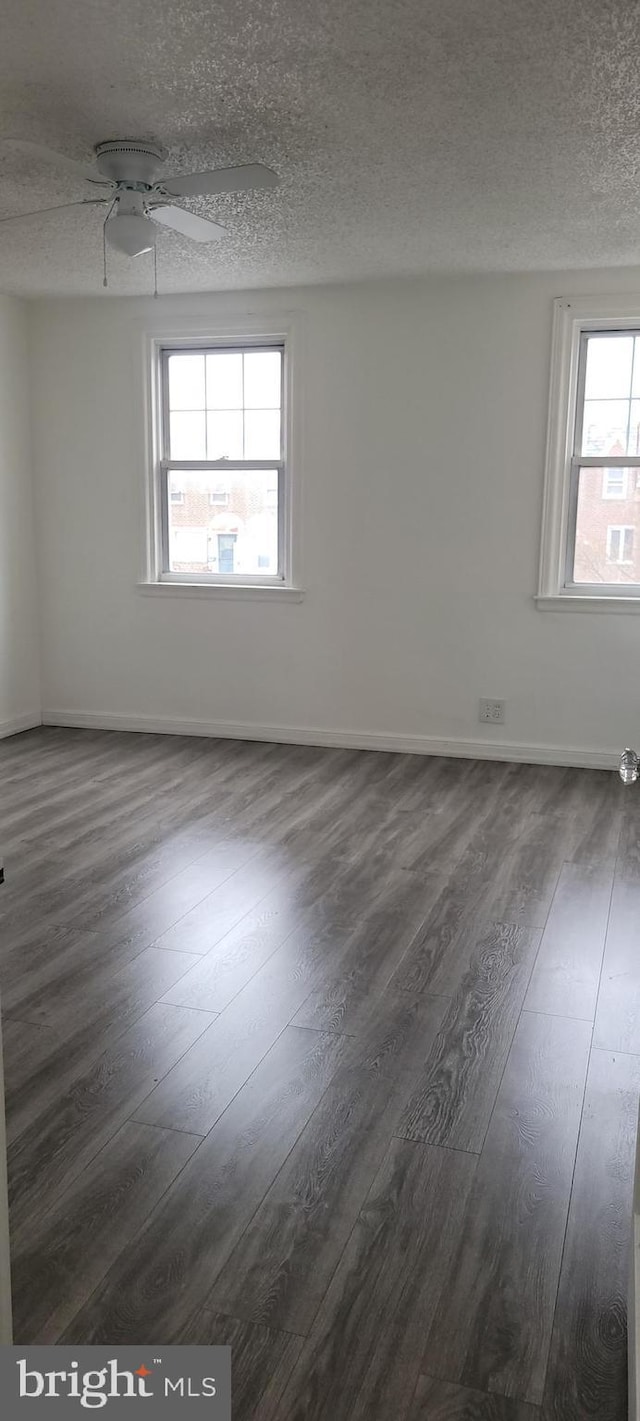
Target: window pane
224, 434
262, 434
227, 522
611, 423
608, 374
187, 436
224, 381
262, 380
186, 383
605, 427
607, 537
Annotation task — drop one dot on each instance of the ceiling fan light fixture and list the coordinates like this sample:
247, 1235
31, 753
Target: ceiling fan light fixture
131, 233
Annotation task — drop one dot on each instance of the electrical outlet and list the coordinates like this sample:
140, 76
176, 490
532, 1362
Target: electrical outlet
492, 712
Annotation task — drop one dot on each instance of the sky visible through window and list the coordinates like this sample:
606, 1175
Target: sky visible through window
225, 405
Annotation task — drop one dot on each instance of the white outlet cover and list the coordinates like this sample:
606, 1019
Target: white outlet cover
491, 712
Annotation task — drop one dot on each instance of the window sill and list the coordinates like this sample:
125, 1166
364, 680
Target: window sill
243, 592
569, 603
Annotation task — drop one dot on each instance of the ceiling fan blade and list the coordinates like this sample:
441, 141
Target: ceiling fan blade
59, 207
187, 223
251, 175
58, 160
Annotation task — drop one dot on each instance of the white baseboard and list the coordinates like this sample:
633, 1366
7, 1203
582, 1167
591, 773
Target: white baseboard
347, 739
16, 723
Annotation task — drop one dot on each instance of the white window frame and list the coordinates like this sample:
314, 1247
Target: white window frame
240, 331
572, 319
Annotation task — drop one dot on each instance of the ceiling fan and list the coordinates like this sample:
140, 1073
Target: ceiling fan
126, 170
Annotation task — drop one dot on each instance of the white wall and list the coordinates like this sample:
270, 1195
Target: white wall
425, 413
19, 654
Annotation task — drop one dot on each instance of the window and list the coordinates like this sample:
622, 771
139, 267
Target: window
614, 483
222, 454
220, 497
222, 443
620, 544
593, 457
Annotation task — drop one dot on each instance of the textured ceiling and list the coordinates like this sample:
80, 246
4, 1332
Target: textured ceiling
410, 135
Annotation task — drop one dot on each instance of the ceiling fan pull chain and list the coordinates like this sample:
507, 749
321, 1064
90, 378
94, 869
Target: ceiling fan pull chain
104, 243
155, 272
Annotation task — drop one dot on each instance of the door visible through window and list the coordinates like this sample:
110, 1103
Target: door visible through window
226, 549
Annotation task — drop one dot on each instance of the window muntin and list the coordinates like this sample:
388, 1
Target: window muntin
222, 448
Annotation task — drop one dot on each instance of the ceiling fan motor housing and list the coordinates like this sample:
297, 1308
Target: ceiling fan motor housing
125, 160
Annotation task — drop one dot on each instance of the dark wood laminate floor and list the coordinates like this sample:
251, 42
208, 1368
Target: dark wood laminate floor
330, 1055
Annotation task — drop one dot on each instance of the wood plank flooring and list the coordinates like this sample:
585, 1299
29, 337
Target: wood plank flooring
330, 1055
